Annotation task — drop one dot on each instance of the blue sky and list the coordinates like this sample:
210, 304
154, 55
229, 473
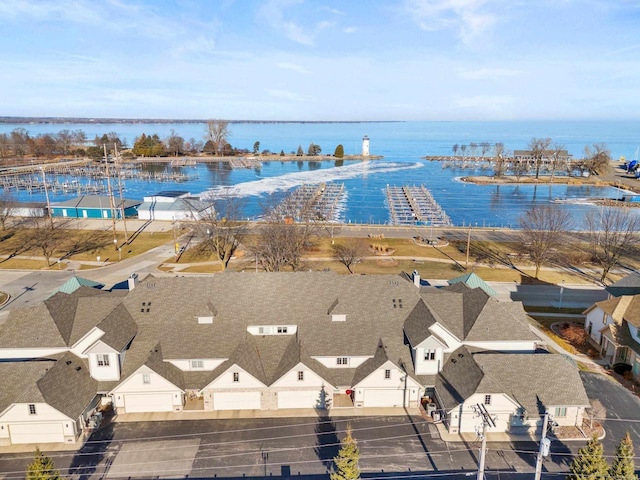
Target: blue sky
321, 60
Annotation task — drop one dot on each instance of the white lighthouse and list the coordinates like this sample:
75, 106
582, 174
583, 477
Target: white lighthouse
365, 146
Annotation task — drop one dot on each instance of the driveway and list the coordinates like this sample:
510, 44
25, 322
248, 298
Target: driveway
623, 409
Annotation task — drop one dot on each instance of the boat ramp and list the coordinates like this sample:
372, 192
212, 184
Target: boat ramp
413, 205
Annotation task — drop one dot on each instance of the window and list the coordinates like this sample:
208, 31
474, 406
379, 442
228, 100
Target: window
342, 361
32, 409
561, 412
300, 375
487, 399
387, 374
103, 360
282, 329
146, 378
429, 354
197, 363
236, 376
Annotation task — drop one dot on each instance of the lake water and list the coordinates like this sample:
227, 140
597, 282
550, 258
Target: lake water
403, 144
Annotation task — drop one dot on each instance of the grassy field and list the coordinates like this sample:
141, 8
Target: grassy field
79, 245
495, 261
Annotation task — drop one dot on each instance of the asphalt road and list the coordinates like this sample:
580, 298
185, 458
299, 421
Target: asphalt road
389, 446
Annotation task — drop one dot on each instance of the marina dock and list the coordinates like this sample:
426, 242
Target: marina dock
322, 202
413, 205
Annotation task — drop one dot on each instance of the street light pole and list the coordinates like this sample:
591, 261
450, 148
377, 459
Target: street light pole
561, 292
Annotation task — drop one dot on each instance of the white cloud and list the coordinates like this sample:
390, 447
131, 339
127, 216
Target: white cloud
490, 103
350, 30
273, 13
288, 95
294, 67
469, 18
196, 45
488, 73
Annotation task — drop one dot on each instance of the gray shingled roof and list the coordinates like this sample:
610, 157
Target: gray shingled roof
119, 328
19, 381
535, 381
629, 285
459, 378
31, 326
68, 387
416, 326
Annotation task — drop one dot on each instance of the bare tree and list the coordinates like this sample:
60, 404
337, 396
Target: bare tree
499, 161
19, 142
613, 233
542, 231
350, 253
539, 150
46, 236
454, 149
221, 227
174, 143
280, 244
7, 204
596, 411
519, 167
597, 158
5, 143
556, 157
217, 133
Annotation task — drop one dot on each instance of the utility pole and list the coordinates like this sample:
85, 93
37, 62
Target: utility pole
466, 265
46, 194
111, 205
545, 445
124, 218
482, 412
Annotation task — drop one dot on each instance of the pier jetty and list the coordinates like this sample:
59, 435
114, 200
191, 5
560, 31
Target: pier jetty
414, 205
323, 202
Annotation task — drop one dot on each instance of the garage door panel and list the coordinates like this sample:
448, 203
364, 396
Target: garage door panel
300, 399
384, 398
36, 433
236, 401
156, 402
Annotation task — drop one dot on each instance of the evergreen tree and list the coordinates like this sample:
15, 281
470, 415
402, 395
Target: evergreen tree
339, 151
42, 468
346, 462
623, 467
300, 152
590, 463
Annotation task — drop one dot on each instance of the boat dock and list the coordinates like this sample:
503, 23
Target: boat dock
322, 202
244, 162
412, 205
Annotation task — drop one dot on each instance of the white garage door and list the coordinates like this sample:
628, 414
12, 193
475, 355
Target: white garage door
384, 398
236, 401
148, 402
36, 433
300, 399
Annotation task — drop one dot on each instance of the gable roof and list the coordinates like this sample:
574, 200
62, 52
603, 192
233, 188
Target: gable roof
416, 326
459, 378
74, 283
457, 307
629, 285
625, 307
535, 381
19, 380
68, 387
473, 281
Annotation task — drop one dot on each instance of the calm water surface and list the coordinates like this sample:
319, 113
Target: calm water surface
402, 144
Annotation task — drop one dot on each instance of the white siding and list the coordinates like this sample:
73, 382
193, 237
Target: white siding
354, 362
12, 353
79, 348
17, 420
104, 372
449, 339
210, 364
465, 420
245, 380
596, 319
310, 379
505, 346
157, 385
405, 387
